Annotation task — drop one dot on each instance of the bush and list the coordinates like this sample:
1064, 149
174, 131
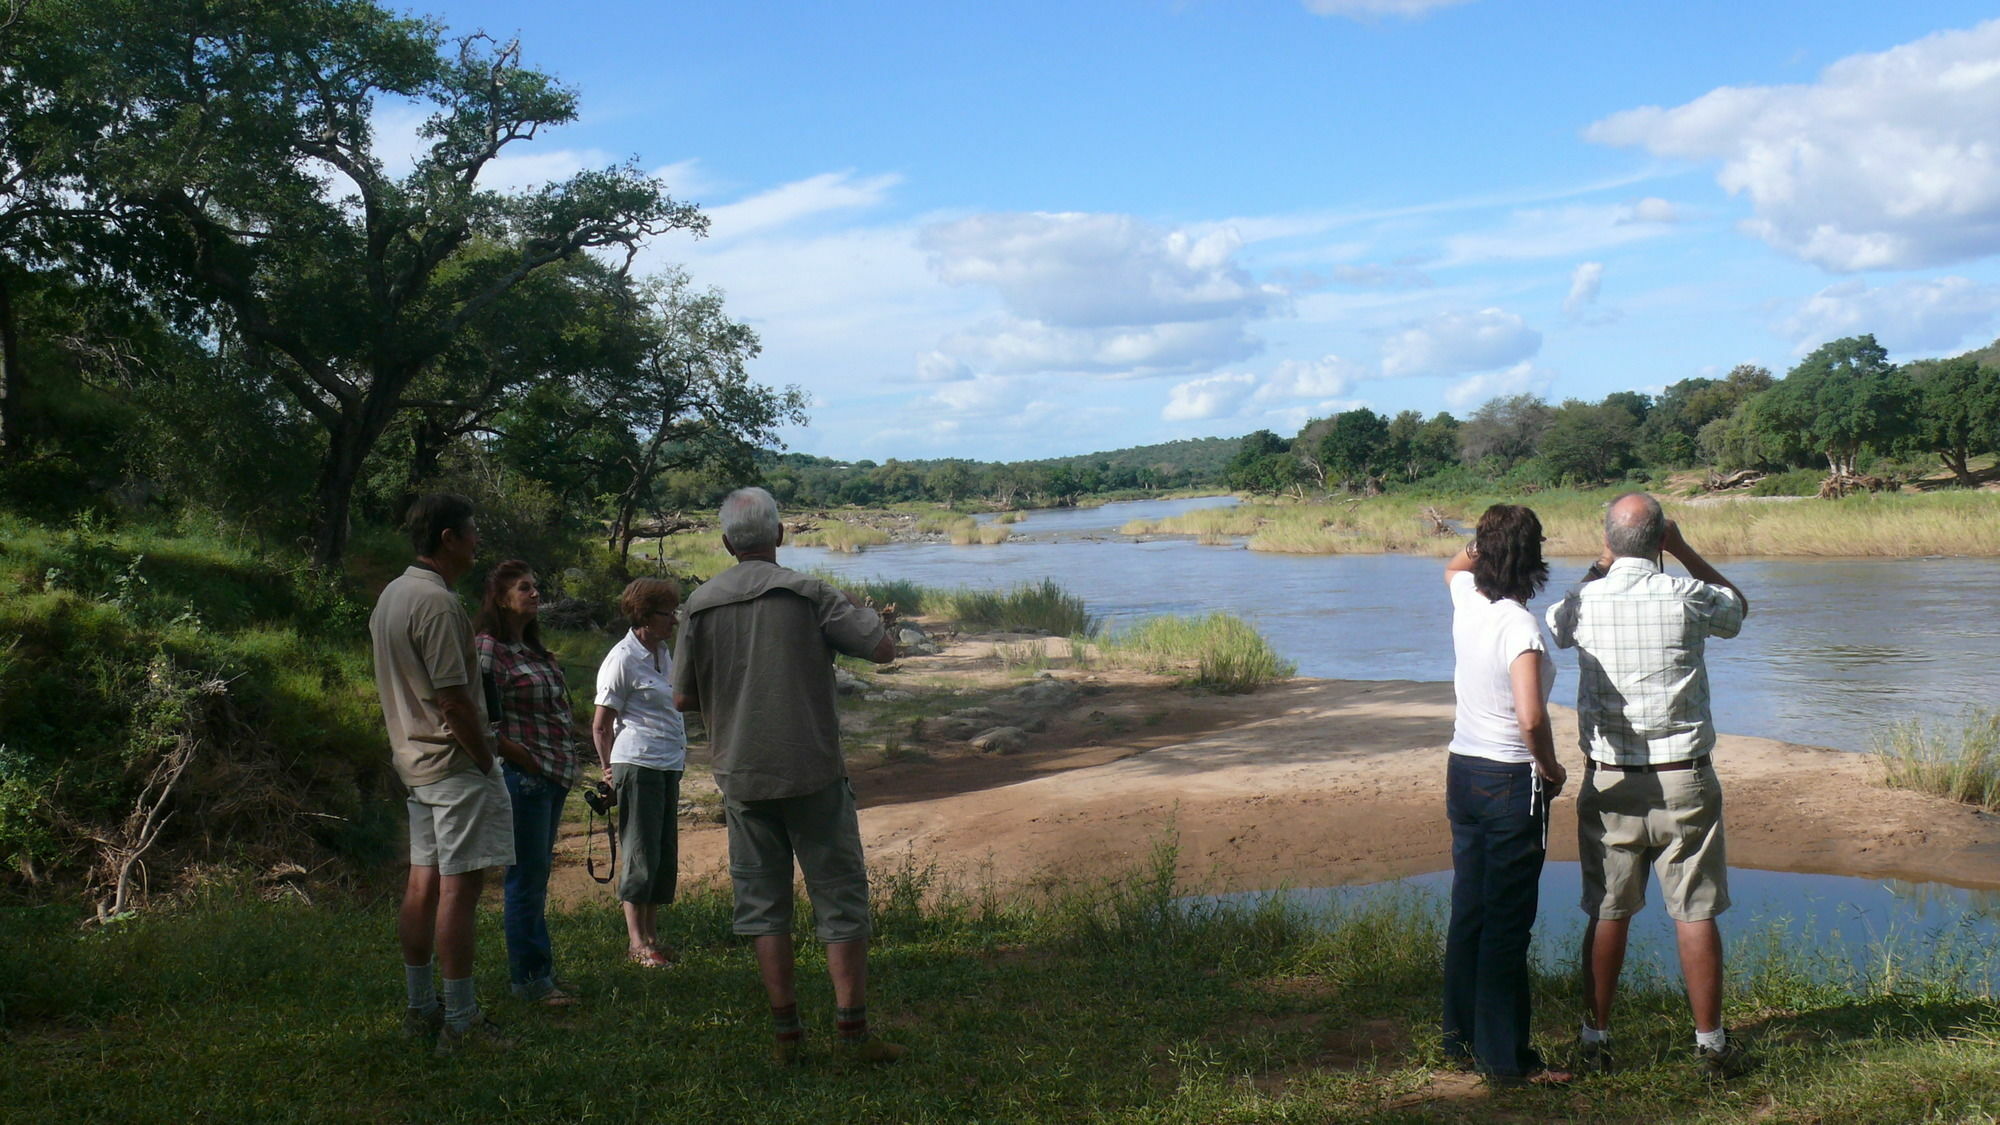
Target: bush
1962, 764
1032, 607
1798, 482
1220, 651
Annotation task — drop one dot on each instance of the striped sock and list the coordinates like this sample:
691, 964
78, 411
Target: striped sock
785, 1025
852, 1023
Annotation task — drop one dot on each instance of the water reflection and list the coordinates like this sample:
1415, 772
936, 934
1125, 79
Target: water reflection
1844, 922
1833, 649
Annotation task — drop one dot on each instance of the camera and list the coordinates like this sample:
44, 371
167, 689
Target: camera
600, 797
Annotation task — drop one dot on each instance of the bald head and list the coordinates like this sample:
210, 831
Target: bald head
1634, 526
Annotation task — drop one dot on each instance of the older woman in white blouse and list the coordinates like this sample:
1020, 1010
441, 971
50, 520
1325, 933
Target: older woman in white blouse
642, 746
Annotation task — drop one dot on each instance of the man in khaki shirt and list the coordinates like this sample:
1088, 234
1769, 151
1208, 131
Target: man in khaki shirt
461, 821
755, 657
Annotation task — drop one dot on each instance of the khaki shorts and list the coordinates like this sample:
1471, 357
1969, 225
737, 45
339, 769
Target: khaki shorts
1671, 821
821, 830
462, 822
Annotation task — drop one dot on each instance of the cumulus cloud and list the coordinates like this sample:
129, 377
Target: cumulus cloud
983, 396
1908, 316
1889, 161
1470, 392
1090, 270
1370, 9
1213, 396
1584, 285
1099, 293
1653, 209
1453, 343
1329, 376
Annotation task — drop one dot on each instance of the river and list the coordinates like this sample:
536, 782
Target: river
1833, 648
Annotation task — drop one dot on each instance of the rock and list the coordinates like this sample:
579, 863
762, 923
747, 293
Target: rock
889, 696
846, 682
1035, 725
985, 715
1001, 740
1045, 693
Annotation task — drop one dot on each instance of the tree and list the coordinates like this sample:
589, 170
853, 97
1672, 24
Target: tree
1957, 411
1669, 433
693, 399
249, 193
1843, 396
1262, 463
1589, 442
1354, 445
948, 481
1506, 430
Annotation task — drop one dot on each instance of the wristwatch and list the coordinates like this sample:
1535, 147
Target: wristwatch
1596, 571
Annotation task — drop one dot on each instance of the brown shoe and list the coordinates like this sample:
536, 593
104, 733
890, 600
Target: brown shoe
870, 1049
787, 1052
481, 1035
1720, 1066
423, 1023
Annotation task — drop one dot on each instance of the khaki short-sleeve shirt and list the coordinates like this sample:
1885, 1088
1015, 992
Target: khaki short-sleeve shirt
423, 642
757, 652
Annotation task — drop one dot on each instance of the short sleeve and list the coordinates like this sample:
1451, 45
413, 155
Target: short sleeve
1520, 633
614, 687
848, 627
1719, 609
486, 649
443, 642
1562, 620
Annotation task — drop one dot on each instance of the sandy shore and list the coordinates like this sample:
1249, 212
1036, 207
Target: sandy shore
1309, 783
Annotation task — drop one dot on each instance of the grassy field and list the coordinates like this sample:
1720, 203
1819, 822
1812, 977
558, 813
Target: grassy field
1110, 1002
1881, 524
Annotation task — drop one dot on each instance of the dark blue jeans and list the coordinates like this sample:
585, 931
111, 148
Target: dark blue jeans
538, 804
1496, 863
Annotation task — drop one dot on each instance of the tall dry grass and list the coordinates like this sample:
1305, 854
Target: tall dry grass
1962, 764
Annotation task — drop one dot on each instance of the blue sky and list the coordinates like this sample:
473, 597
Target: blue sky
1019, 230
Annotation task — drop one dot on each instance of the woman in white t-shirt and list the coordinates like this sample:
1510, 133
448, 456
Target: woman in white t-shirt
1501, 776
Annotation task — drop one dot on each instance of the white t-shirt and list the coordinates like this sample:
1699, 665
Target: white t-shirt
649, 731
1487, 636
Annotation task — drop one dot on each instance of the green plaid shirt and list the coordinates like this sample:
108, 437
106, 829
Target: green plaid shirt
1642, 682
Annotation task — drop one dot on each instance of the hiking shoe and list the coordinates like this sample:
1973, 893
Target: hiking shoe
481, 1035
870, 1049
1593, 1058
423, 1023
787, 1052
1731, 1061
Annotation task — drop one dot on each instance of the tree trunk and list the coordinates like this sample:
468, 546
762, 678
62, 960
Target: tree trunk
347, 449
1954, 459
12, 376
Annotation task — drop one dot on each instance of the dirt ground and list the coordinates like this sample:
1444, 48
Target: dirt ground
1308, 783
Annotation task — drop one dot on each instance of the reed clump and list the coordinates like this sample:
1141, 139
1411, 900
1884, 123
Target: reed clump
1218, 651
1961, 762
839, 535
1031, 607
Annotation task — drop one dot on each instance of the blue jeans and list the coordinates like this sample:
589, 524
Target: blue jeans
538, 804
1496, 863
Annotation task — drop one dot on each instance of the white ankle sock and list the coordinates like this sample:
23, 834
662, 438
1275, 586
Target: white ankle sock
1713, 1040
1594, 1035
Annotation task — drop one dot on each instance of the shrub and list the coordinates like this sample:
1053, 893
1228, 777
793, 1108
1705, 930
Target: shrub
1032, 607
1220, 651
1798, 482
1962, 764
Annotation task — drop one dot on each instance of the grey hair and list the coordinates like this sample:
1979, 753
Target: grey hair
1636, 535
750, 520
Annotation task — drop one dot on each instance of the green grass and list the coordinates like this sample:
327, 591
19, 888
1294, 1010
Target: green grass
1961, 762
1218, 651
839, 535
1108, 1000
1031, 607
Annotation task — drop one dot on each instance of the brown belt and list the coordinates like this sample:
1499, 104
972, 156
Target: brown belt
1659, 767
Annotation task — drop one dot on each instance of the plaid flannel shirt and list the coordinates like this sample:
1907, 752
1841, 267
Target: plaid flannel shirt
534, 706
1642, 683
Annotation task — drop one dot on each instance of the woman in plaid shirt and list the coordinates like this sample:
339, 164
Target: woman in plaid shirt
530, 705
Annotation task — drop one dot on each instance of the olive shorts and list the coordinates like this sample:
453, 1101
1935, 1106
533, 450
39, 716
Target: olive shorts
818, 829
462, 822
649, 832
1671, 821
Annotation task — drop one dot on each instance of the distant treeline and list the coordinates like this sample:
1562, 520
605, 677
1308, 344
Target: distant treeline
798, 479
1841, 408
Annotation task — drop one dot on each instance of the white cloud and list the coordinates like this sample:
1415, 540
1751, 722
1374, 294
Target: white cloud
1653, 209
1329, 376
1560, 232
1908, 316
1453, 343
937, 367
982, 396
1584, 285
1213, 396
1368, 9
1028, 346
787, 204
1470, 392
1890, 160
1093, 270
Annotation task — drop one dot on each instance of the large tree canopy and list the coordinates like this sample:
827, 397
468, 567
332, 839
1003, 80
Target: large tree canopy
1845, 395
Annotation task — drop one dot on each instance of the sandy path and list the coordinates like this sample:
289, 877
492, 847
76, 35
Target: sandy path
1322, 783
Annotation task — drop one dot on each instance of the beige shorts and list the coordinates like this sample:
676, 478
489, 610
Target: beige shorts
1671, 821
462, 822
820, 831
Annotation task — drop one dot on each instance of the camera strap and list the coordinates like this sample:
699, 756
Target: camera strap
590, 840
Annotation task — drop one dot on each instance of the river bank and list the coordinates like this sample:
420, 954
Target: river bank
1307, 783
